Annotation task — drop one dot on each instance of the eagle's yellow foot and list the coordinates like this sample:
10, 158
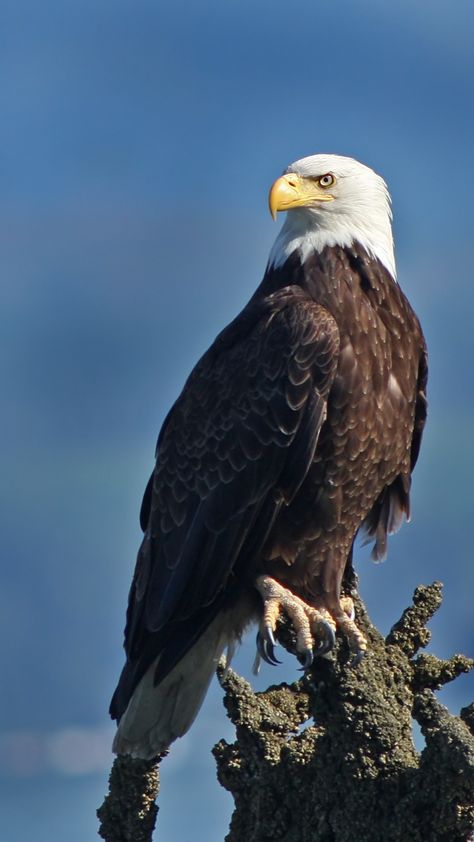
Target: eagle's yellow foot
309, 623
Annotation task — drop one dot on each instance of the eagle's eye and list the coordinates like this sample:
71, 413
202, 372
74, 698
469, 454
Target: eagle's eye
326, 180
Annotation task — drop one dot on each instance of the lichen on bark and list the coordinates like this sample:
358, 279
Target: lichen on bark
129, 811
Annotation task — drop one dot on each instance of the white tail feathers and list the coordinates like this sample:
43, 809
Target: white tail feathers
157, 715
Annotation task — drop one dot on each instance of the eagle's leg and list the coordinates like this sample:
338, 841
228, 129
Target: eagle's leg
309, 623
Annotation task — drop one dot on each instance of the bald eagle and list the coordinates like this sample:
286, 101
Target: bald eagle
299, 427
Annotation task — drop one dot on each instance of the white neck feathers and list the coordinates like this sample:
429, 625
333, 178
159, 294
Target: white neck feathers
359, 213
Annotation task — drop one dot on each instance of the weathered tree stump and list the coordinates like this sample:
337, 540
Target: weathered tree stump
331, 757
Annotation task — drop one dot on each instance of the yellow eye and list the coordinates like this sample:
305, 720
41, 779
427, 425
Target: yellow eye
326, 180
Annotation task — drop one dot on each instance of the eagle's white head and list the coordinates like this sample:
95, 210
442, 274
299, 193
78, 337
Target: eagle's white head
332, 200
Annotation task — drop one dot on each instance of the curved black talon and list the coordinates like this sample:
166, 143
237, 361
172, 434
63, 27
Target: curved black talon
328, 642
270, 656
266, 647
357, 658
269, 635
306, 658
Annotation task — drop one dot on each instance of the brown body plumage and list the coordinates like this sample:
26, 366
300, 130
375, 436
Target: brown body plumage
299, 425
376, 409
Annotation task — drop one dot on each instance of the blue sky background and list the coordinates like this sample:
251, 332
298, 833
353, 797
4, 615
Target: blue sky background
138, 141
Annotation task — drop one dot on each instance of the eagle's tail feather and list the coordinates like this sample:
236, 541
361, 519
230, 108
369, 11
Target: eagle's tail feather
157, 715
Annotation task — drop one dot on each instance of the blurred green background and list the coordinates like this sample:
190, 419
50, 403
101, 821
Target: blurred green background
138, 141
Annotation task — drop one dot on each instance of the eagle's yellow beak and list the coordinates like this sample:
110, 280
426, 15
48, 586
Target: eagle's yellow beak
295, 191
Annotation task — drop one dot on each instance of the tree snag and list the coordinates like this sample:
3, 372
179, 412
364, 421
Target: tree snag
331, 757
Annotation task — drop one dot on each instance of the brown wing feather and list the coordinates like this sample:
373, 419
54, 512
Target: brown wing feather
236, 447
393, 505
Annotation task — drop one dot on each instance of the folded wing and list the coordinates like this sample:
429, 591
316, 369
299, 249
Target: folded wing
234, 449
